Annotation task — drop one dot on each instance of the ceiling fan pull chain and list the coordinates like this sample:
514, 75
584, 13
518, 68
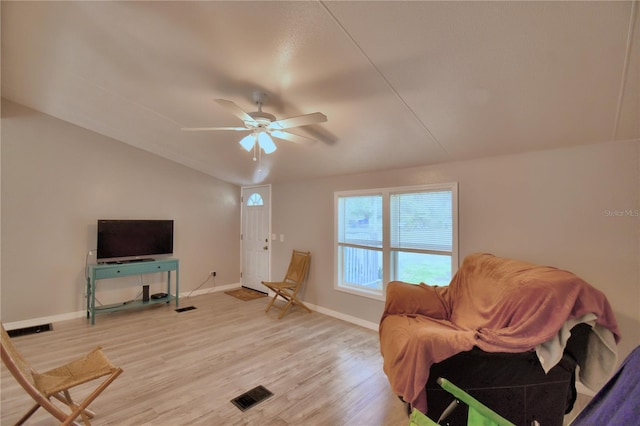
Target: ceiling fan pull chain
255, 147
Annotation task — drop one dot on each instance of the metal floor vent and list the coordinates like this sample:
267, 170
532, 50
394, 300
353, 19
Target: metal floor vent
29, 330
186, 308
251, 398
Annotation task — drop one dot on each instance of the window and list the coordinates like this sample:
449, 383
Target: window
407, 234
360, 242
255, 200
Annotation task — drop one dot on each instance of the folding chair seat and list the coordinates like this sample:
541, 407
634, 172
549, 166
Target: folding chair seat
288, 288
57, 382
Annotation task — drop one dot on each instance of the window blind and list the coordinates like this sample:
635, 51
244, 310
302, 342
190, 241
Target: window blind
422, 221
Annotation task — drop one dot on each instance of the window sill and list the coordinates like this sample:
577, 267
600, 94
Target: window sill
369, 294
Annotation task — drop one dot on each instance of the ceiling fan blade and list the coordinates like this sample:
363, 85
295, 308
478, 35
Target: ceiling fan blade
198, 129
291, 137
236, 110
301, 120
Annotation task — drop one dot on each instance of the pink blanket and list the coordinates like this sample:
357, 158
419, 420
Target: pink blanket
496, 304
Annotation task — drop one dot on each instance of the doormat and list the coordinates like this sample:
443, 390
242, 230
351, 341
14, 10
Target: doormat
245, 294
251, 398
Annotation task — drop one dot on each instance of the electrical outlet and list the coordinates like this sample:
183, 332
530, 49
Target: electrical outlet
213, 273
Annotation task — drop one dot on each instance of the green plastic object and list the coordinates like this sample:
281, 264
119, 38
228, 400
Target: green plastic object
418, 419
479, 414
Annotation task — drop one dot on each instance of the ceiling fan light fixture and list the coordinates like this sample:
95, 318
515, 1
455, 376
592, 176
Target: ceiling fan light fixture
266, 143
248, 142
262, 126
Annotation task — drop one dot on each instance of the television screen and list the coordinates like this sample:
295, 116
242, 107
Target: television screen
120, 239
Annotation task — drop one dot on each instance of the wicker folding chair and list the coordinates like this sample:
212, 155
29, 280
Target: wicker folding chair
288, 288
57, 382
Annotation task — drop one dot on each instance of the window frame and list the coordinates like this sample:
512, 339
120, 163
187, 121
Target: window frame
386, 249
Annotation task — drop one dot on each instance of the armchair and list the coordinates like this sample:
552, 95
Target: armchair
498, 314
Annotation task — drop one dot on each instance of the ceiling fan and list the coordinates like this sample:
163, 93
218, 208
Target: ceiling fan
263, 126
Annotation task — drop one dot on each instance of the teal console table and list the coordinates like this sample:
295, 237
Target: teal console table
106, 271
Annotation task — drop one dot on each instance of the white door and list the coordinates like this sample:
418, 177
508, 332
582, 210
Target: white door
256, 245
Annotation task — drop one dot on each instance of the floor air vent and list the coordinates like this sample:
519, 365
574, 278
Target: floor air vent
29, 330
251, 398
186, 308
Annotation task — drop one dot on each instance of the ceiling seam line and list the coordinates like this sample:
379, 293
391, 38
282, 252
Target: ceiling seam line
395, 92
625, 69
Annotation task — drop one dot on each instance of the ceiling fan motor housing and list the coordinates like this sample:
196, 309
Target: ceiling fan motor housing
262, 118
264, 125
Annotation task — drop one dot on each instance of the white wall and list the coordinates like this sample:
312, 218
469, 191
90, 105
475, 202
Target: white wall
545, 207
58, 179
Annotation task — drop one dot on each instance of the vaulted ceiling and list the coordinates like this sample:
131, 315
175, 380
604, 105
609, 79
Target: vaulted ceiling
402, 83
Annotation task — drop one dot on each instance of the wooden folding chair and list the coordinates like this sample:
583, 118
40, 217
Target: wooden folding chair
288, 288
57, 382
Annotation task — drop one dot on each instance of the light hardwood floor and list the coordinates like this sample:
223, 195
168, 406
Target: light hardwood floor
184, 368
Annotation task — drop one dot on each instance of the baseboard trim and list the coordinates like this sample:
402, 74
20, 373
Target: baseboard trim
73, 315
344, 317
44, 320
81, 314
210, 290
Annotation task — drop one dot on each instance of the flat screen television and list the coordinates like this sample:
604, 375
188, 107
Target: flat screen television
133, 240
